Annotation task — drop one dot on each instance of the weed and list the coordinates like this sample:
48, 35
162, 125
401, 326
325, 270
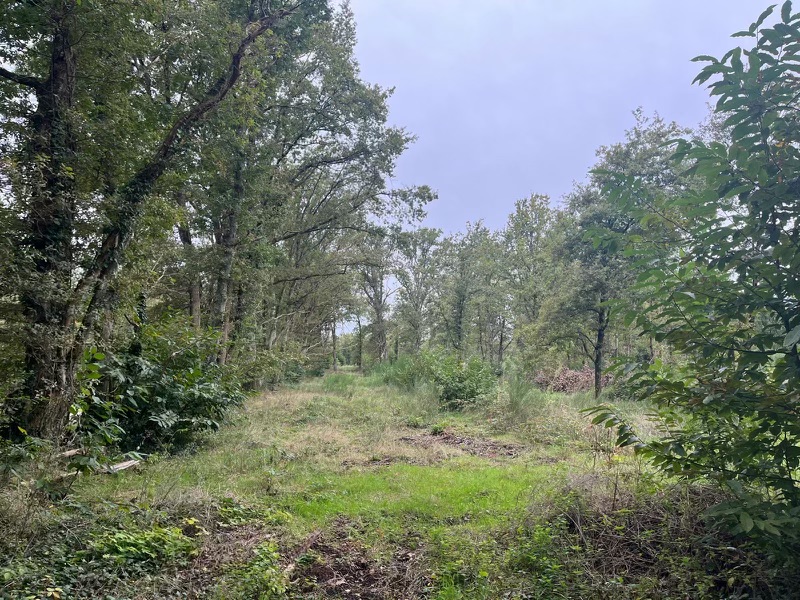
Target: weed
233, 514
415, 422
146, 548
260, 579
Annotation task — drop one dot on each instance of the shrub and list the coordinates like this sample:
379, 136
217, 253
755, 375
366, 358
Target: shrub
457, 382
144, 548
462, 383
160, 394
407, 371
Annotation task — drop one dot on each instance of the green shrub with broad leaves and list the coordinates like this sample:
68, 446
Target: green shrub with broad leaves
164, 392
143, 548
727, 301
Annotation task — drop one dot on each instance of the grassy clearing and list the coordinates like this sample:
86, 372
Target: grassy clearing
342, 487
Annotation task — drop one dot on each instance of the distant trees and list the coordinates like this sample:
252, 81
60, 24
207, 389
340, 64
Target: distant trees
418, 273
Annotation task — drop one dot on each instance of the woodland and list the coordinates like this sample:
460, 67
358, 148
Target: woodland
235, 364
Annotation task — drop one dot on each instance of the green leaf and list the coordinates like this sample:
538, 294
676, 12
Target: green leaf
786, 11
746, 521
792, 337
704, 58
763, 16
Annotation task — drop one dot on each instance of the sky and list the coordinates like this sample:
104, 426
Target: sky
513, 97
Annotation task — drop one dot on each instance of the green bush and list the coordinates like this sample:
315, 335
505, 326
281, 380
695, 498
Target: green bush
406, 372
462, 383
458, 382
151, 548
163, 392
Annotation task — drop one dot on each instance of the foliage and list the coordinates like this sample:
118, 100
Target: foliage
458, 383
461, 383
268, 368
725, 296
164, 393
145, 548
259, 579
19, 457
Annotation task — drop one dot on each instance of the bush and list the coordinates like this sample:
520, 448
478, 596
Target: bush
406, 372
162, 393
144, 548
462, 383
458, 382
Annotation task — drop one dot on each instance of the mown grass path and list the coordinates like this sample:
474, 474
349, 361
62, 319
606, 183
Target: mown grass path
365, 491
343, 487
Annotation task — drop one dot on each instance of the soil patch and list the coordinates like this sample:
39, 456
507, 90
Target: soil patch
484, 447
382, 461
224, 547
334, 565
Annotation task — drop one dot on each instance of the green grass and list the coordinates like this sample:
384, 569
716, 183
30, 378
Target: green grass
343, 476
458, 488
310, 452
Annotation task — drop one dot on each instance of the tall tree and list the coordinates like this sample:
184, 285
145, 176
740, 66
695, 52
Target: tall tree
418, 273
79, 166
599, 275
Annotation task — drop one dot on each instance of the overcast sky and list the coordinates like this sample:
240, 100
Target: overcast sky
512, 97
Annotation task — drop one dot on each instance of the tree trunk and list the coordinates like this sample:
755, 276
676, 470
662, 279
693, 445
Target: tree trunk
602, 325
227, 239
333, 340
501, 348
379, 335
360, 344
49, 358
185, 235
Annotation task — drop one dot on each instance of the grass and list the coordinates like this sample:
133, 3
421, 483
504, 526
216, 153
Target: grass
342, 483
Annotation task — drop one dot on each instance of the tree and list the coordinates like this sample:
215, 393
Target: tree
92, 127
597, 275
726, 295
418, 274
457, 288
375, 286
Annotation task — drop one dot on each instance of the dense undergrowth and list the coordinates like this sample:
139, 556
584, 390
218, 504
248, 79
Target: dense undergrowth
345, 487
